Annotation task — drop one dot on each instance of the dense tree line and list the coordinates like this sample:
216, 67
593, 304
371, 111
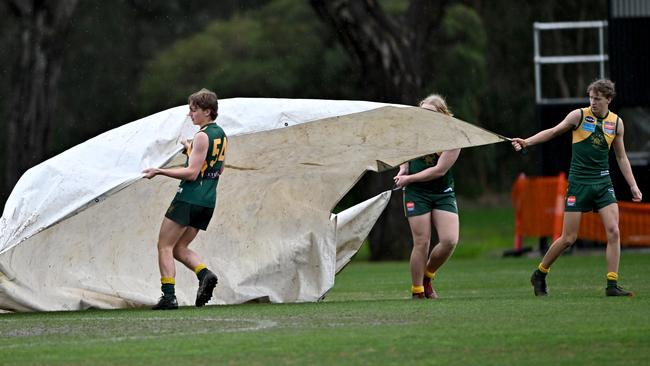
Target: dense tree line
73, 69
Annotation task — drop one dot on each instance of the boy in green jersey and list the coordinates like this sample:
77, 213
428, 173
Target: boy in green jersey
193, 205
595, 130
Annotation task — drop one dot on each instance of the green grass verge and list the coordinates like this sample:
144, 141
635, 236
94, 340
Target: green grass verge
485, 231
486, 315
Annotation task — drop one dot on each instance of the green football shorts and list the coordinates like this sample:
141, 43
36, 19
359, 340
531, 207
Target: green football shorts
187, 214
418, 202
588, 197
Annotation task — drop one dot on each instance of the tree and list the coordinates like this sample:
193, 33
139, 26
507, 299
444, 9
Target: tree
461, 74
106, 46
42, 27
278, 50
391, 51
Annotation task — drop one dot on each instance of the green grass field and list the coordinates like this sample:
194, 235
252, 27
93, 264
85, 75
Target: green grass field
486, 315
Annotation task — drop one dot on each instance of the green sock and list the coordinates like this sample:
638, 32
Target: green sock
168, 289
612, 283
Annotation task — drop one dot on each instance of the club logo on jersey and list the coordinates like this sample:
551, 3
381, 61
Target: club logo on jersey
591, 127
410, 206
430, 160
598, 141
571, 201
609, 128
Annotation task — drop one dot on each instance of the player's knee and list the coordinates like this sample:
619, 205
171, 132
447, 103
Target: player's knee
420, 243
612, 231
178, 253
448, 244
420, 236
568, 240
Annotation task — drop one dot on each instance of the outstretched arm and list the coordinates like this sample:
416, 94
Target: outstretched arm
570, 121
196, 159
624, 163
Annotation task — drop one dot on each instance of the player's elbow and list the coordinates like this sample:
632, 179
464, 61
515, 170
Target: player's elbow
192, 175
440, 172
621, 157
554, 132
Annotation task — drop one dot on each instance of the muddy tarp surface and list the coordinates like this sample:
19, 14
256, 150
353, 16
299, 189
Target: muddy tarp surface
79, 230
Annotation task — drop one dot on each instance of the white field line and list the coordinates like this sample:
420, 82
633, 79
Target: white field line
255, 325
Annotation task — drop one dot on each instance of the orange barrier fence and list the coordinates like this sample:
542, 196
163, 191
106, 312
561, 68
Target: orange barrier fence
634, 225
539, 208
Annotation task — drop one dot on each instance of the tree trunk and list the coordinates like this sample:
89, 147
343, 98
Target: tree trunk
43, 27
391, 55
389, 51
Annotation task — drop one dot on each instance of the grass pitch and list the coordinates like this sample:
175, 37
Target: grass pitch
486, 315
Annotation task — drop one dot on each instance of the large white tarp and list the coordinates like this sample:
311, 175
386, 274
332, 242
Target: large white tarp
79, 230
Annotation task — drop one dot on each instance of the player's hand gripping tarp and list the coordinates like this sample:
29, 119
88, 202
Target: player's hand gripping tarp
80, 230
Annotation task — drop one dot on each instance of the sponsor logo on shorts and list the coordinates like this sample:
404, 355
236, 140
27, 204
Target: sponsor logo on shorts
571, 201
449, 189
604, 173
410, 206
611, 191
179, 190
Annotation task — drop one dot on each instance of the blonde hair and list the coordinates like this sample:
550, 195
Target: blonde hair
437, 101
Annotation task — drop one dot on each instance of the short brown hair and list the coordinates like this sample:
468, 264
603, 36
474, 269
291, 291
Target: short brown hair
604, 87
205, 99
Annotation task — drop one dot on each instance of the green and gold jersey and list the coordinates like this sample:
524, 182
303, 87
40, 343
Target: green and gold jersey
592, 139
443, 184
203, 190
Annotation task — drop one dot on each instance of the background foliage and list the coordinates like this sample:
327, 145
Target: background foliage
123, 60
